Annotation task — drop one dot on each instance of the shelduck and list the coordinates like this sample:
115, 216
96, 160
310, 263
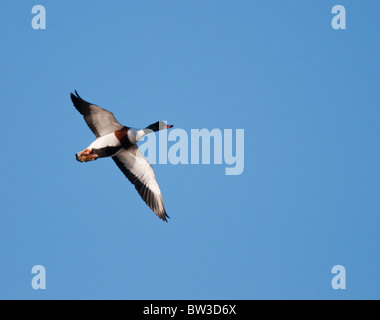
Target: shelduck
119, 142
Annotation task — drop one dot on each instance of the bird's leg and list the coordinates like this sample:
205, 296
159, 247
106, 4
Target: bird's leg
86, 155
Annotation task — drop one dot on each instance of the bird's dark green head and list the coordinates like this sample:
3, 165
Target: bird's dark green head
157, 126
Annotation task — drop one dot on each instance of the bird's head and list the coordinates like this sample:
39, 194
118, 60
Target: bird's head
159, 125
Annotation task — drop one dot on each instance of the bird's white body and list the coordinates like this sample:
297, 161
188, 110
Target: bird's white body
135, 134
108, 140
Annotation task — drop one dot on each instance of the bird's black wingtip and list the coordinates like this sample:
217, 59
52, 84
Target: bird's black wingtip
76, 95
166, 216
74, 98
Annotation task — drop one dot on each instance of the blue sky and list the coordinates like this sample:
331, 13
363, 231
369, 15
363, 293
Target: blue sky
306, 95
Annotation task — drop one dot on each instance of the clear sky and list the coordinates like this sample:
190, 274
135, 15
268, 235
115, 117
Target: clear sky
306, 95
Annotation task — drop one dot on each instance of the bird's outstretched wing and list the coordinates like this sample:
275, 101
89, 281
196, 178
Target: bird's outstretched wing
100, 121
138, 171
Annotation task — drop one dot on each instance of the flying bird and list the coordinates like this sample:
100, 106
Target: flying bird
119, 142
